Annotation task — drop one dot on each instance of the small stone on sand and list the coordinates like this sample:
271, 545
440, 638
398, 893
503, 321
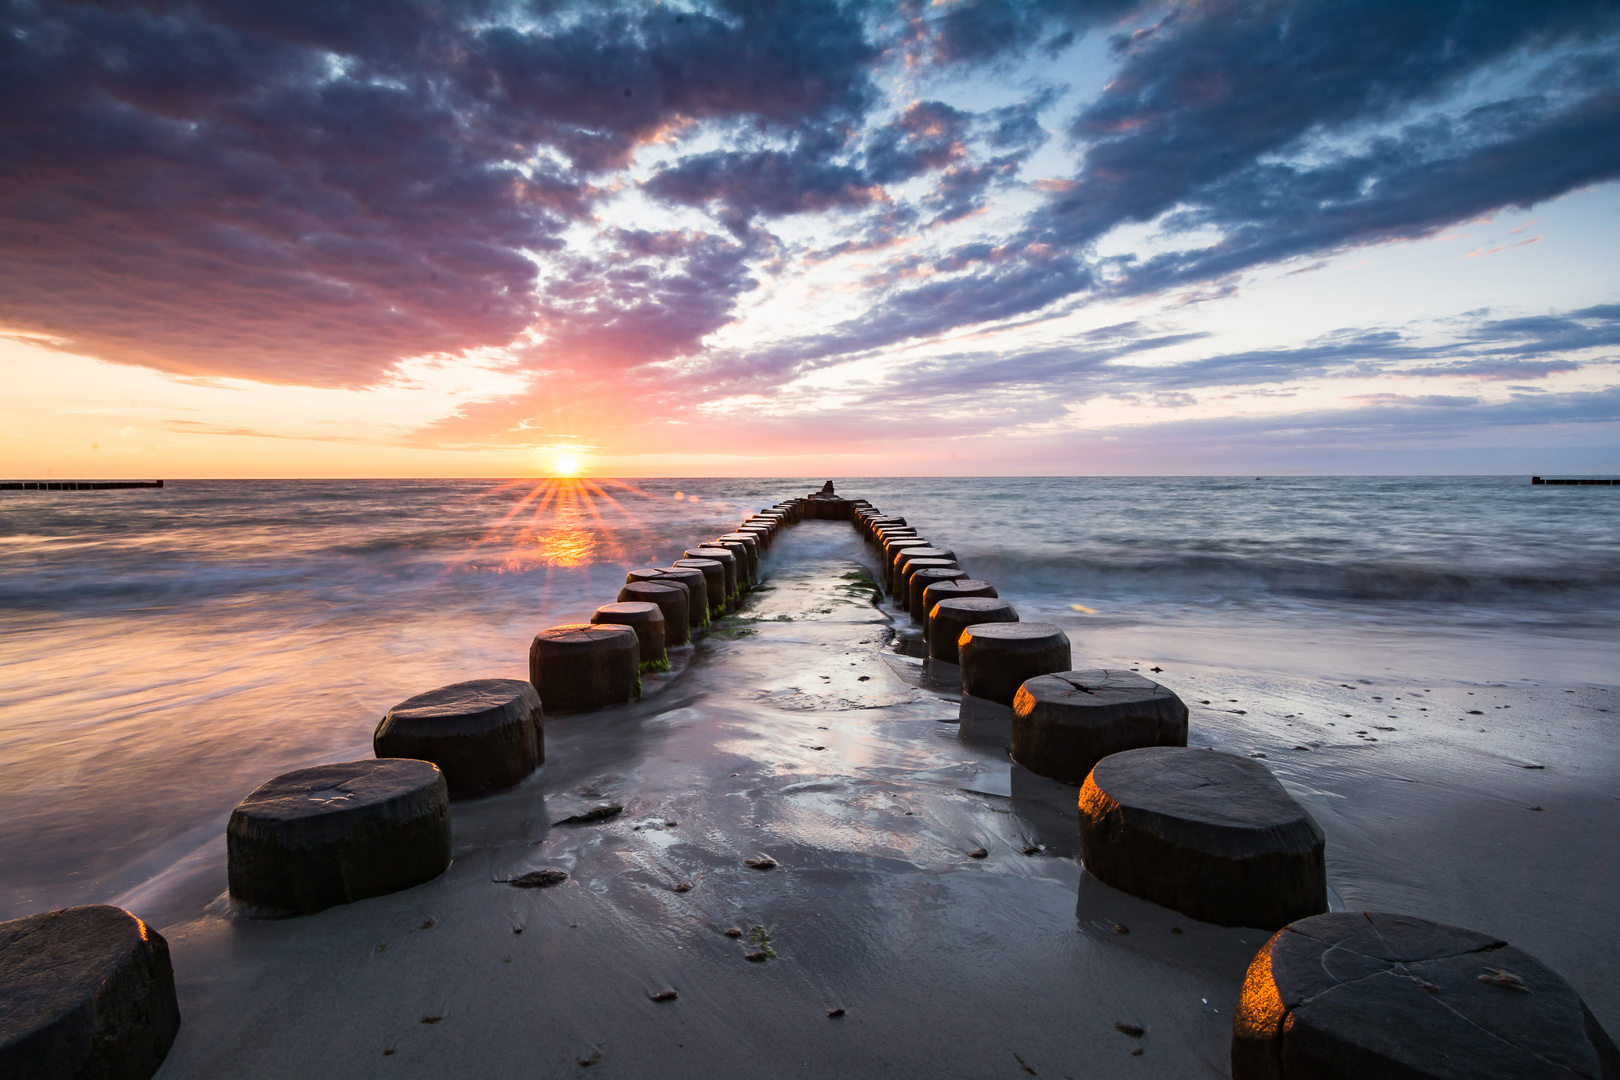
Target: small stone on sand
764, 862
978, 853
665, 995
539, 879
595, 813
1135, 1031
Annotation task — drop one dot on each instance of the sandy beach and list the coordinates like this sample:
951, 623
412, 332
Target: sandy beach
793, 732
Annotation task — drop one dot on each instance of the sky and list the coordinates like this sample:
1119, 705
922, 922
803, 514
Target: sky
958, 237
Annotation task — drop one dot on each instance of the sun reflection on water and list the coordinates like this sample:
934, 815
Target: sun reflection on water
558, 522
566, 547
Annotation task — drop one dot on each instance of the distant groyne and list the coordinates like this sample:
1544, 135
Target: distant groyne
76, 485
1579, 481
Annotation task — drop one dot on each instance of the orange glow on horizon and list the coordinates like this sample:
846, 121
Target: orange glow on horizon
564, 526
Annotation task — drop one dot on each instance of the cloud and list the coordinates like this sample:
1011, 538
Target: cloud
1481, 252
647, 296
1586, 328
197, 427
1494, 369
1206, 97
311, 193
608, 76
1431, 401
1395, 436
769, 182
958, 390
1295, 129
982, 31
826, 169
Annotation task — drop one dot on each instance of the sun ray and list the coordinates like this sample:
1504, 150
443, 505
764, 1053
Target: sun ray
518, 506
611, 501
558, 522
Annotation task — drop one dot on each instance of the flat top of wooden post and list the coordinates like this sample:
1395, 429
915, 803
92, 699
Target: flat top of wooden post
583, 635
1008, 632
965, 584
1099, 687
51, 962
472, 698
1199, 788
635, 609
972, 604
1418, 998
718, 554
653, 586
338, 789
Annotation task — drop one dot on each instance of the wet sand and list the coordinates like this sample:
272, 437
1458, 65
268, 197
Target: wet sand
793, 733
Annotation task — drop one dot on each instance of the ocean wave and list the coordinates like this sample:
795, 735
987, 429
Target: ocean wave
1250, 577
1480, 542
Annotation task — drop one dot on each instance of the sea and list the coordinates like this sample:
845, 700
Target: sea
164, 651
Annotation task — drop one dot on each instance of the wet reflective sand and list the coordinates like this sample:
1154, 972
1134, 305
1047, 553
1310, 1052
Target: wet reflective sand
792, 733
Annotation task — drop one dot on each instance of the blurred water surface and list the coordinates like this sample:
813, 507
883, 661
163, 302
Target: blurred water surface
164, 651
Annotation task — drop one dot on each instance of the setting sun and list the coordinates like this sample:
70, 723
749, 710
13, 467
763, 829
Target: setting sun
565, 465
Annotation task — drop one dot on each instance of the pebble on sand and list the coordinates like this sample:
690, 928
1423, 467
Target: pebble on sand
540, 879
